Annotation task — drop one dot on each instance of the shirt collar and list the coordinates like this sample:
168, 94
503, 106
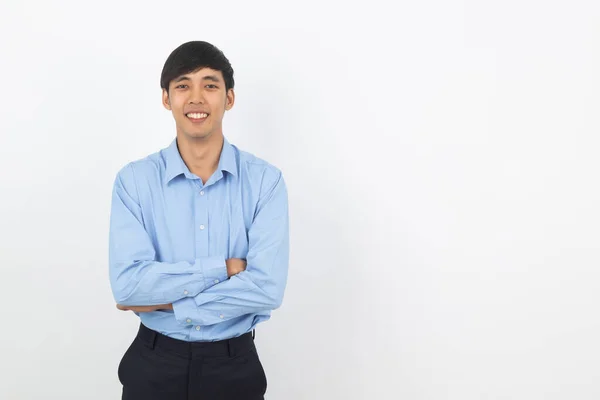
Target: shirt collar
175, 165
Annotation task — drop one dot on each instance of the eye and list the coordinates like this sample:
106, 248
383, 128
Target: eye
180, 86
213, 86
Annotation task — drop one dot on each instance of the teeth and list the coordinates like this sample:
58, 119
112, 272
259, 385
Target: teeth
197, 115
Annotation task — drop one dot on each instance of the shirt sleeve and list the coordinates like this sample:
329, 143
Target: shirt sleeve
136, 278
261, 286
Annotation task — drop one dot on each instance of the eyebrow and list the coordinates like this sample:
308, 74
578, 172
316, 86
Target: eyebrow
212, 78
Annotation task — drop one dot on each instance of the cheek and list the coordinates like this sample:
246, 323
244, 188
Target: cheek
176, 104
177, 111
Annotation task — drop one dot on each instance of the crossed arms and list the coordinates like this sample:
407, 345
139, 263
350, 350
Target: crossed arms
209, 289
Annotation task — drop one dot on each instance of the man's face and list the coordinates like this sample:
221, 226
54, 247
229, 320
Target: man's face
198, 101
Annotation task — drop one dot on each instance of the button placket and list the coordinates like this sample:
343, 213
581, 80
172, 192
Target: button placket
201, 222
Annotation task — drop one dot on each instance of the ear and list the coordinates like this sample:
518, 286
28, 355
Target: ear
165, 100
230, 99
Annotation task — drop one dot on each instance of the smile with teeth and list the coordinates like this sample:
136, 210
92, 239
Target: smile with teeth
196, 115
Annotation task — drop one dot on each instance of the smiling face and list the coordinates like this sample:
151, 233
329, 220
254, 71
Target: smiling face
198, 101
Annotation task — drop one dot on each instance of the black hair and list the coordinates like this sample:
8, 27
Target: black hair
192, 56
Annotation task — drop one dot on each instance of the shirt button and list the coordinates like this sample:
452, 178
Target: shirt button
202, 193
185, 292
188, 320
201, 226
221, 316
198, 328
216, 281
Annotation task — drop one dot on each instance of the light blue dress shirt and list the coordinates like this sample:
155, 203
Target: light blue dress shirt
170, 235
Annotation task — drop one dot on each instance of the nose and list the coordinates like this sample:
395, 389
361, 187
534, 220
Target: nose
196, 96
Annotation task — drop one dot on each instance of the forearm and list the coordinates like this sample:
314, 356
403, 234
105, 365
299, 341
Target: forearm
143, 283
240, 295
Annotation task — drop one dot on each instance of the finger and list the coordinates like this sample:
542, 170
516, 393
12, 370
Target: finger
138, 309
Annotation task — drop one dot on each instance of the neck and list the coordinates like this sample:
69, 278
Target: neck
201, 155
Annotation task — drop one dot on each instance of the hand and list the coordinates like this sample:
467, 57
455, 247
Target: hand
145, 308
235, 266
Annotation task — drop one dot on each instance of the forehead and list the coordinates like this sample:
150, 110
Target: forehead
201, 74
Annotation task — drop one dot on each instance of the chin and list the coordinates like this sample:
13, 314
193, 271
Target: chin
199, 135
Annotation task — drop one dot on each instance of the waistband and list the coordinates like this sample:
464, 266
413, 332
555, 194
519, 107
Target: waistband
227, 347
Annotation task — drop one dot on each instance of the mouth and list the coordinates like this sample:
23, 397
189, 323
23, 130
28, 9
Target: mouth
197, 117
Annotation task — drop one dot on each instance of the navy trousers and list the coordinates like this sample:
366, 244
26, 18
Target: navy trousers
157, 367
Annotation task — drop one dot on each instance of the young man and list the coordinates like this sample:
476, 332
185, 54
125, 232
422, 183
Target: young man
199, 246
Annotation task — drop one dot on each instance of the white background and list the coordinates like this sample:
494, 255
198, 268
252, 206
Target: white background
442, 164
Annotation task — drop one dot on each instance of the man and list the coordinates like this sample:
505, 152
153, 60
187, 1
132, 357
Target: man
199, 246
